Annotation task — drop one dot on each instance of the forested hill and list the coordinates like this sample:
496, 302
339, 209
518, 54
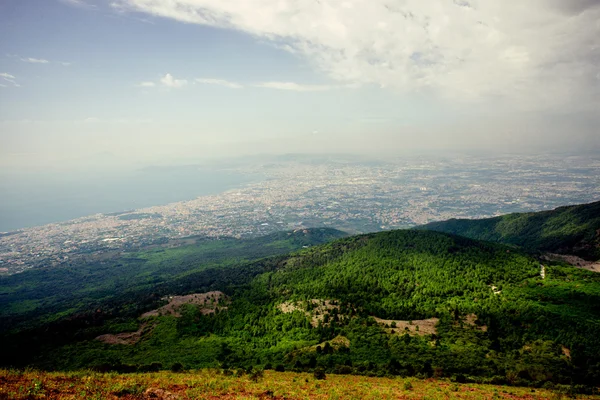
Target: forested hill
390, 303
565, 230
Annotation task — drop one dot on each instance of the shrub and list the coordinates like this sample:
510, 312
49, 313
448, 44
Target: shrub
256, 374
177, 367
280, 368
319, 374
407, 385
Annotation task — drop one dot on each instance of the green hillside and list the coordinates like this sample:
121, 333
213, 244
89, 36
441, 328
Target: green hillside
567, 230
392, 303
40, 296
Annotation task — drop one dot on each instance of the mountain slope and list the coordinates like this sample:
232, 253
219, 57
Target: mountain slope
48, 294
565, 230
401, 302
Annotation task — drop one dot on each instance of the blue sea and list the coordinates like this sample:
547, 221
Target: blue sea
28, 200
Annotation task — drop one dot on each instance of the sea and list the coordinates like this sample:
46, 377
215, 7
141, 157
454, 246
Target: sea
33, 199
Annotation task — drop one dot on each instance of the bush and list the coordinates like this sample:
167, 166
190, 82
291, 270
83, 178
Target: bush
256, 374
343, 369
407, 385
319, 374
154, 367
177, 367
280, 368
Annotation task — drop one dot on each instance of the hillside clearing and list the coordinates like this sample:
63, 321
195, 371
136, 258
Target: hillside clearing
575, 261
208, 301
319, 308
416, 327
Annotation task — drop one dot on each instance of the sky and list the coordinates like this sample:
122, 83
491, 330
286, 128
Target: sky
105, 83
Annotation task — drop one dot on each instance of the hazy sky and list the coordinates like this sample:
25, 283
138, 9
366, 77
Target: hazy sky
94, 82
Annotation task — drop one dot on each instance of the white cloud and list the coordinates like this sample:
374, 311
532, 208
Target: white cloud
219, 82
35, 60
537, 53
171, 82
147, 84
6, 77
293, 86
78, 3
65, 64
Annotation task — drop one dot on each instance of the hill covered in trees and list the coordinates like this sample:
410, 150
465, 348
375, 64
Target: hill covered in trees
409, 303
565, 230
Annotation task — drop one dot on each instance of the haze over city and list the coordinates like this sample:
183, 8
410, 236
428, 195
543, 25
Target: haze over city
138, 82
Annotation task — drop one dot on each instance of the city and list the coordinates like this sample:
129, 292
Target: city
301, 192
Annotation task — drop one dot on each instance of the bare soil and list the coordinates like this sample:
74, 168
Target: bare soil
320, 308
209, 302
575, 261
126, 337
419, 327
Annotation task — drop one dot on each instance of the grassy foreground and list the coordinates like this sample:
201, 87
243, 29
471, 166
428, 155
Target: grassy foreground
212, 384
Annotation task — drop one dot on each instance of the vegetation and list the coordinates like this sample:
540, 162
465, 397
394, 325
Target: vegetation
568, 230
211, 384
496, 319
44, 295
408, 303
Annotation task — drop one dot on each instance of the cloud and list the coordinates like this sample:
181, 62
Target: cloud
78, 3
35, 60
147, 84
171, 82
538, 53
219, 82
293, 86
6, 77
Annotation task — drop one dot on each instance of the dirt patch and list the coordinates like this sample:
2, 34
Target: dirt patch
161, 394
336, 343
495, 289
575, 261
470, 320
419, 327
209, 302
316, 309
125, 337
566, 351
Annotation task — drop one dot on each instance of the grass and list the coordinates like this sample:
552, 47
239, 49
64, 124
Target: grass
213, 384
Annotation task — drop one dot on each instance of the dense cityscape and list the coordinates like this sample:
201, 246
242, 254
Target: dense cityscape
299, 192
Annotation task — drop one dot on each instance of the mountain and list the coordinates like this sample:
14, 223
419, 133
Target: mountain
391, 303
42, 295
566, 230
